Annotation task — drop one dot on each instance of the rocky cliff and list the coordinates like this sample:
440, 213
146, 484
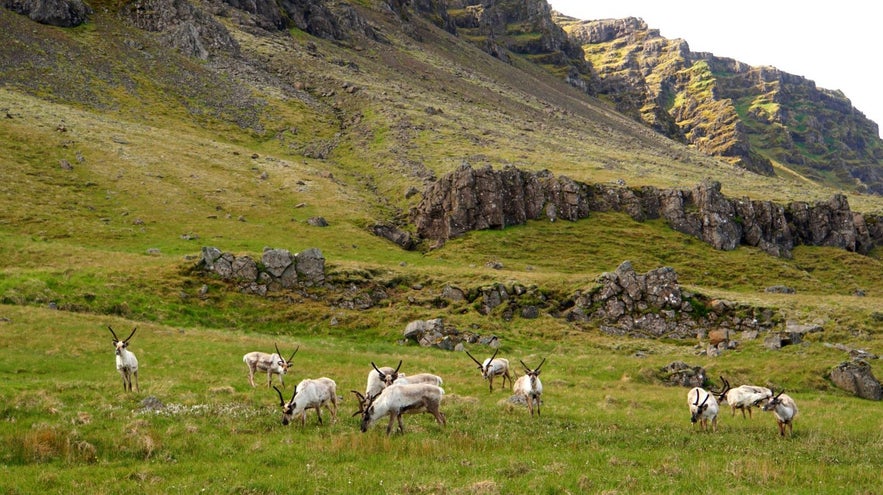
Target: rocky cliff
525, 28
473, 199
750, 116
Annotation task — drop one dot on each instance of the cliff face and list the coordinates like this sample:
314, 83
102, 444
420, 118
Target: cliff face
747, 115
522, 27
474, 199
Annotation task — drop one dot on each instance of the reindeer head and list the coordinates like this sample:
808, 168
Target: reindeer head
367, 410
700, 408
387, 378
120, 344
487, 371
725, 387
532, 373
287, 407
773, 402
284, 364
363, 401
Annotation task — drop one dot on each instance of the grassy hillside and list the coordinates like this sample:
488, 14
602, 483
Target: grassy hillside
122, 161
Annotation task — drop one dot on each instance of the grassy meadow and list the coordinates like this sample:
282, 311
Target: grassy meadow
110, 187
607, 425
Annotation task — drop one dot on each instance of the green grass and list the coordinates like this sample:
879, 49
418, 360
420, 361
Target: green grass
161, 170
607, 425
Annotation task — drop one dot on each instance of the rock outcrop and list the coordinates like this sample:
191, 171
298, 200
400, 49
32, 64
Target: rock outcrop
279, 269
61, 13
184, 26
474, 199
652, 305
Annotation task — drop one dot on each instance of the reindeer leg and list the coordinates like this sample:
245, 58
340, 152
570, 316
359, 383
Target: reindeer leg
251, 376
135, 376
392, 419
319, 413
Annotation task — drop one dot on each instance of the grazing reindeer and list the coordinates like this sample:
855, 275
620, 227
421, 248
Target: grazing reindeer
785, 409
396, 400
273, 364
530, 387
493, 367
127, 363
309, 394
702, 412
742, 397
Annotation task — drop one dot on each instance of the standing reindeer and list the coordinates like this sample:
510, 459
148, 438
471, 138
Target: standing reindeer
492, 367
742, 397
273, 364
378, 380
785, 409
530, 387
127, 363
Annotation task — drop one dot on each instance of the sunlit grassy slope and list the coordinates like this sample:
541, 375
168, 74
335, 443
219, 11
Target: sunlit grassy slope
108, 192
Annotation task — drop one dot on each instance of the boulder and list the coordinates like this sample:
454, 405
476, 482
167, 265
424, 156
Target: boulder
61, 13
856, 377
679, 373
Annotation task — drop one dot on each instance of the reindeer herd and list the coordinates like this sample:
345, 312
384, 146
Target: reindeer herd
390, 392
704, 405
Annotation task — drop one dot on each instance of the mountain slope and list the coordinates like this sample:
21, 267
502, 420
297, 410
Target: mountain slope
751, 115
207, 124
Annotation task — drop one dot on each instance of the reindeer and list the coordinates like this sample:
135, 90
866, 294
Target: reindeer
702, 412
273, 364
493, 367
419, 378
309, 394
127, 363
785, 409
742, 397
530, 387
396, 400
378, 379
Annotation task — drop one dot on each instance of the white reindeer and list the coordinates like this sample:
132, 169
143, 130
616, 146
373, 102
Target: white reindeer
127, 363
273, 364
419, 378
785, 409
310, 394
530, 387
493, 367
742, 397
396, 400
703, 407
378, 379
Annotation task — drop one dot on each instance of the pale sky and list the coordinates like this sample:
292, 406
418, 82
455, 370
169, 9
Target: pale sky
835, 44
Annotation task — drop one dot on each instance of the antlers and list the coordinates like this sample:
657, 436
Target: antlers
280, 354
489, 360
707, 395
281, 400
382, 374
725, 387
117, 339
476, 360
534, 371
